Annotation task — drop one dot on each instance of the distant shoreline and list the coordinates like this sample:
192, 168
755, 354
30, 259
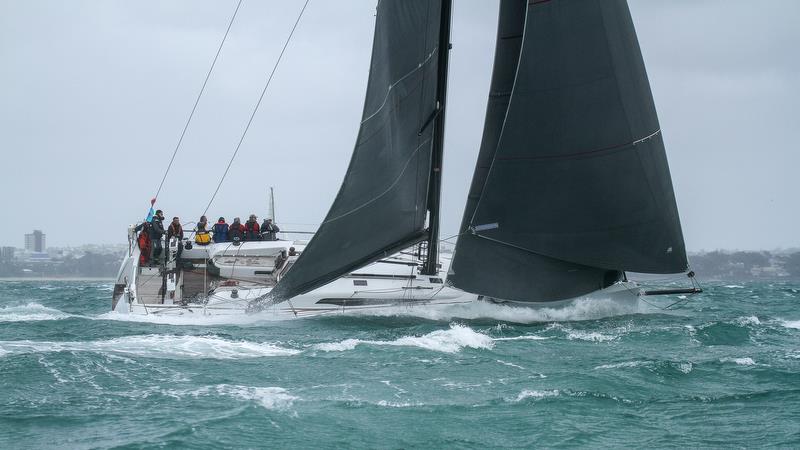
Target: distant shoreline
55, 279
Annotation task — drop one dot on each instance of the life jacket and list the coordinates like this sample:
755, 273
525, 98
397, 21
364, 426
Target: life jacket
143, 241
174, 231
220, 232
202, 237
251, 229
236, 230
144, 247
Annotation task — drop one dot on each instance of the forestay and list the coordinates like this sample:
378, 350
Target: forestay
381, 206
572, 184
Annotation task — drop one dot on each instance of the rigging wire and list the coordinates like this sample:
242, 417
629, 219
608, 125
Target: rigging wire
197, 100
255, 110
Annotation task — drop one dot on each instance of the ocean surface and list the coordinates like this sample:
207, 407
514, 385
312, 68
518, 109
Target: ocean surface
721, 369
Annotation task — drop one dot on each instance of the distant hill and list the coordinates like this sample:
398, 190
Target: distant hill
746, 265
718, 264
89, 265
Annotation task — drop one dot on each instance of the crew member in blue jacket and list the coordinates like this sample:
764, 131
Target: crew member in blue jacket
220, 231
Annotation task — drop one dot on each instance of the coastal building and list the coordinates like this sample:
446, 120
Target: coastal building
35, 242
7, 253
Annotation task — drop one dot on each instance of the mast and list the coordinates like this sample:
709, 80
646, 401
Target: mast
431, 264
272, 204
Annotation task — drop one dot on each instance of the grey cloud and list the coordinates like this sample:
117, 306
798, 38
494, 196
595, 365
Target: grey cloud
93, 95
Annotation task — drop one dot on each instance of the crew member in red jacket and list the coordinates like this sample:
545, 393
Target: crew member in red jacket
251, 229
236, 230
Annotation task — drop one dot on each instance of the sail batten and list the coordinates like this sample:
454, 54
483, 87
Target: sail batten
572, 166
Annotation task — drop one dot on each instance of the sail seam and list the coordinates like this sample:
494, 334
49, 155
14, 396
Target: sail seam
391, 86
587, 152
394, 183
505, 116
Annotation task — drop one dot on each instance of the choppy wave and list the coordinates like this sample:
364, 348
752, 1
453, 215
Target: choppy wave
268, 397
592, 336
588, 309
390, 404
447, 341
739, 361
31, 312
624, 364
524, 337
748, 320
661, 367
196, 319
536, 395
795, 324
155, 346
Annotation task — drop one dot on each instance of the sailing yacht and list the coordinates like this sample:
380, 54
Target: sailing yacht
571, 188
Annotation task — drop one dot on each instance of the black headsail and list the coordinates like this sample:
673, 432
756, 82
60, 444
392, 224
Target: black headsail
382, 206
572, 184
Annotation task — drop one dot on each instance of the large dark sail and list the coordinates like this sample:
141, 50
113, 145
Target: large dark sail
382, 205
572, 184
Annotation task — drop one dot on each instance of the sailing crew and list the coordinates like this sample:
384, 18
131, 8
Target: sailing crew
175, 230
202, 236
269, 231
236, 230
143, 240
292, 251
251, 227
156, 232
221, 231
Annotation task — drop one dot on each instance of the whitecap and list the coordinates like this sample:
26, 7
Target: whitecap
347, 344
625, 364
794, 324
525, 337
31, 312
582, 309
510, 364
195, 318
739, 361
268, 397
536, 395
156, 346
749, 320
734, 286
447, 341
592, 336
389, 404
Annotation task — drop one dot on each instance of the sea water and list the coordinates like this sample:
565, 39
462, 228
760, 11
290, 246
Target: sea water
721, 369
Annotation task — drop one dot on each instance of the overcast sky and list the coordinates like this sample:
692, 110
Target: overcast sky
94, 95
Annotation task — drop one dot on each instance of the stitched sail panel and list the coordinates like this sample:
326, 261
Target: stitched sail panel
575, 175
382, 203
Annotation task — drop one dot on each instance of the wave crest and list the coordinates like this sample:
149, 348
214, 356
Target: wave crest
447, 341
155, 346
31, 312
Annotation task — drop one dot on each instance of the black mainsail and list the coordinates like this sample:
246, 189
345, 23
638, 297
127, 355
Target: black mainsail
392, 181
572, 184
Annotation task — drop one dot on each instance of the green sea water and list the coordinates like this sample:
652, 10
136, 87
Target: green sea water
719, 370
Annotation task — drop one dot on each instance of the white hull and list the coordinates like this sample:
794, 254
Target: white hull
623, 296
380, 287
